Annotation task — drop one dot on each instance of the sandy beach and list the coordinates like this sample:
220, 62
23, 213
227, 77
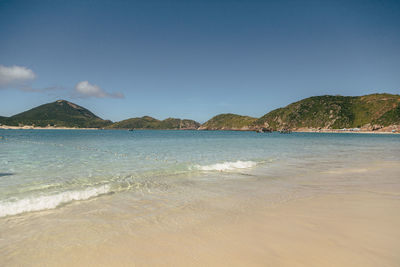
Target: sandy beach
351, 220
200, 133
387, 130
28, 127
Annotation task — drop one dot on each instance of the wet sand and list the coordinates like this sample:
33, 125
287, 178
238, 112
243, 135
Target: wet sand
351, 218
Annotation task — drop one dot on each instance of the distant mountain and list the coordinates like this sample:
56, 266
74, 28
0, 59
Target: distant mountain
336, 112
369, 112
147, 122
60, 113
3, 119
229, 121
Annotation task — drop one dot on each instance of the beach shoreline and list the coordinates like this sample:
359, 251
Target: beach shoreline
352, 221
7, 127
303, 130
341, 131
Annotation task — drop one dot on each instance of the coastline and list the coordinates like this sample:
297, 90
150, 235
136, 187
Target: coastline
346, 132
6, 127
302, 130
345, 224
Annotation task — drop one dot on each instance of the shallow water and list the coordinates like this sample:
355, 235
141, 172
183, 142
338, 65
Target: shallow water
77, 197
45, 169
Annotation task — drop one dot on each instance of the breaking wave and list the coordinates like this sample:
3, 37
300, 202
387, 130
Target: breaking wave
49, 202
227, 166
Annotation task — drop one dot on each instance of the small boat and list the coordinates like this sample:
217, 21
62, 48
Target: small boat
131, 130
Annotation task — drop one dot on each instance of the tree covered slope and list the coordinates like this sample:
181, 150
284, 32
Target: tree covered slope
335, 112
60, 113
147, 122
228, 121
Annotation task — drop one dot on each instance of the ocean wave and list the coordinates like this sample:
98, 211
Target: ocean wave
49, 202
227, 166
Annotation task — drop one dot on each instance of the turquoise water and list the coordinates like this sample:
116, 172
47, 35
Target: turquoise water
45, 169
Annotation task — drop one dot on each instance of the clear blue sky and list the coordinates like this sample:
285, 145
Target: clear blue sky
194, 59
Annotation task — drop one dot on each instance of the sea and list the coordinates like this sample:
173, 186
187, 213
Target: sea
45, 170
168, 198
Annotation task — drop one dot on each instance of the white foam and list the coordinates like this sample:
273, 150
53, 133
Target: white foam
227, 166
49, 202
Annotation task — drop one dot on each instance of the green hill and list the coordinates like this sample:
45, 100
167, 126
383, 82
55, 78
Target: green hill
335, 112
60, 113
3, 119
369, 112
147, 122
228, 121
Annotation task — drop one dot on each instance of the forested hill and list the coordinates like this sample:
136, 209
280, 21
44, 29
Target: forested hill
336, 112
60, 113
147, 122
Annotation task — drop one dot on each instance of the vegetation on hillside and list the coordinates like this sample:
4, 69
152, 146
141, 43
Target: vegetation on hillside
390, 117
60, 113
3, 119
228, 121
334, 112
326, 112
147, 122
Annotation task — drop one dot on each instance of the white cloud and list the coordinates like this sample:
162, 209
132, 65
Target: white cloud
19, 77
86, 89
15, 76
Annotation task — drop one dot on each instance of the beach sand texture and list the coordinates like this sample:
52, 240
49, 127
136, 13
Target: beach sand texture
351, 219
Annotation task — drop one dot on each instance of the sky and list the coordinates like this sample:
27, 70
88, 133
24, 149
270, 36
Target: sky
194, 59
